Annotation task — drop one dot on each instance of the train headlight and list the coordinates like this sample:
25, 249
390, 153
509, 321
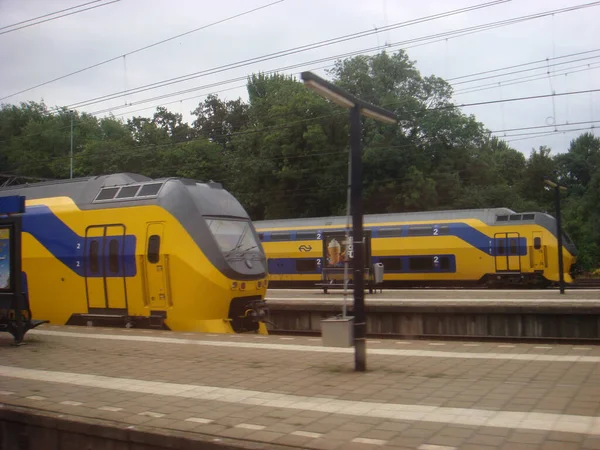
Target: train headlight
234, 285
242, 286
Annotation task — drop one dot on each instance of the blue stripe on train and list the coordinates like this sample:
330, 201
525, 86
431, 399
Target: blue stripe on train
467, 233
68, 247
443, 263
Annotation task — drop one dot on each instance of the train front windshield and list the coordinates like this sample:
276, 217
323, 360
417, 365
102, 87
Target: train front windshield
233, 236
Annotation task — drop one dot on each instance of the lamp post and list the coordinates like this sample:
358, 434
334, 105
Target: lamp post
71, 168
357, 108
557, 188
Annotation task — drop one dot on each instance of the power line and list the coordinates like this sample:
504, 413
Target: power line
58, 17
525, 79
546, 126
139, 49
295, 50
50, 14
544, 61
274, 55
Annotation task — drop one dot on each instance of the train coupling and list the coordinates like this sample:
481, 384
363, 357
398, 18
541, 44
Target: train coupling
257, 310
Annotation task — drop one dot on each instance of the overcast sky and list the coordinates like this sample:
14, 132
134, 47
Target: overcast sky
39, 53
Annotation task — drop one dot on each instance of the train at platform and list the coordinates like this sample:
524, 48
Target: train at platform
127, 250
494, 247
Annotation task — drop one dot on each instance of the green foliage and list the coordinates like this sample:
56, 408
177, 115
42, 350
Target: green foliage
284, 153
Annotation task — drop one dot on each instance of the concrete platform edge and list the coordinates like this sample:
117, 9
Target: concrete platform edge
47, 430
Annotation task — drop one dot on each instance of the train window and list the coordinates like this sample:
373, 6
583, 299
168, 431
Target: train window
420, 230
113, 256
149, 189
107, 193
128, 191
390, 232
515, 217
153, 248
537, 243
501, 218
306, 235
281, 236
528, 216
93, 256
306, 265
421, 263
392, 264
513, 247
500, 247
444, 263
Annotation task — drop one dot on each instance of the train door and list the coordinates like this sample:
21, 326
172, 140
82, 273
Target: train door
114, 267
156, 272
94, 272
105, 271
537, 251
507, 252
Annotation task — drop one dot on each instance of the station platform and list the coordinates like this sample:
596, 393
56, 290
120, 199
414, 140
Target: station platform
542, 315
153, 388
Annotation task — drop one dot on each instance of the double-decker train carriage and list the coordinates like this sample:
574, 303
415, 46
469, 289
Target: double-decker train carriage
127, 250
493, 247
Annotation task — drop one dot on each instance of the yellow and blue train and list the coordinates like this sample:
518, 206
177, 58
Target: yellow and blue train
127, 250
493, 247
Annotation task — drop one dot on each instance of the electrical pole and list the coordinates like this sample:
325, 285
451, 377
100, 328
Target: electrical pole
71, 171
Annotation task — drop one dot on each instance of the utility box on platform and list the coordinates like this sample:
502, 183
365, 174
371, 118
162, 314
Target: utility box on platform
337, 332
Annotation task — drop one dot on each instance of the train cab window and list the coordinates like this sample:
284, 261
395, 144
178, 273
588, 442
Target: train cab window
537, 243
394, 264
306, 265
93, 256
306, 236
421, 263
389, 232
528, 216
281, 236
128, 191
113, 256
149, 189
153, 248
515, 217
107, 193
501, 218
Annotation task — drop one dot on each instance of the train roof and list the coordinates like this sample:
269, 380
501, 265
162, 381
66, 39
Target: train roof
129, 189
488, 215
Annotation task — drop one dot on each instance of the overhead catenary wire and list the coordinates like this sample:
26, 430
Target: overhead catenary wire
58, 17
279, 54
49, 14
138, 50
243, 63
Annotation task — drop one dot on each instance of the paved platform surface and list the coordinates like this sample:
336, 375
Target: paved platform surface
582, 297
294, 393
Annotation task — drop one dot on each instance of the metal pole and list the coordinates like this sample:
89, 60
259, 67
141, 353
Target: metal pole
71, 173
360, 351
561, 275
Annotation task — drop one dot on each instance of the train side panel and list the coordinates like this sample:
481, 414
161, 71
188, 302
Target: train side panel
137, 260
466, 250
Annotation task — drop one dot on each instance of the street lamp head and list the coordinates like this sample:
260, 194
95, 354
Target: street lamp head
553, 184
340, 97
324, 91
